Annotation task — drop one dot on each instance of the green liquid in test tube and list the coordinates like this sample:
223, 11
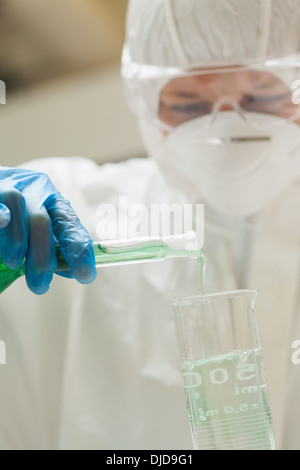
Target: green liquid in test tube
128, 251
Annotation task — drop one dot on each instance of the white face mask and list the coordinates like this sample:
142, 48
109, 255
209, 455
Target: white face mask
234, 167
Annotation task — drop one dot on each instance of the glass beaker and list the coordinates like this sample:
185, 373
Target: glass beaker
223, 372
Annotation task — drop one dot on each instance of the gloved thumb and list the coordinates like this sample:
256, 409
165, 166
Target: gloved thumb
4, 216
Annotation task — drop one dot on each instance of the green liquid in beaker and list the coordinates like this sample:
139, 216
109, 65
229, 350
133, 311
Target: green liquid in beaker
228, 402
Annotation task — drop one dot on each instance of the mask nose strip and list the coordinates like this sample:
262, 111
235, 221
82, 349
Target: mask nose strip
235, 134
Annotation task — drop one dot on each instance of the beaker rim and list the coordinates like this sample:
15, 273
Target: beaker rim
214, 295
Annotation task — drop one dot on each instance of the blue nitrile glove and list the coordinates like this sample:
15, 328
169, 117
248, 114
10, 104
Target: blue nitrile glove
33, 217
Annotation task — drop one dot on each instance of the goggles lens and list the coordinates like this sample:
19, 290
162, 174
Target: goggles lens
248, 91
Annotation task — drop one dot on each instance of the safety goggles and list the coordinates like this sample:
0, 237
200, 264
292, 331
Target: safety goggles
171, 97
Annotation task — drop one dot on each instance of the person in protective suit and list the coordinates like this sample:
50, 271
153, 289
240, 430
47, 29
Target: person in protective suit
96, 366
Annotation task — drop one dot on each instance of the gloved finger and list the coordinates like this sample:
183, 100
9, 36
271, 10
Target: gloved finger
4, 215
41, 261
74, 240
13, 237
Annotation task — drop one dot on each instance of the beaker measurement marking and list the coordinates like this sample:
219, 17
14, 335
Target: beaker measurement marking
227, 402
247, 428
203, 415
210, 432
227, 409
246, 390
219, 375
253, 440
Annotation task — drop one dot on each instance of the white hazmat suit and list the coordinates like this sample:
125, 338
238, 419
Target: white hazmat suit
97, 366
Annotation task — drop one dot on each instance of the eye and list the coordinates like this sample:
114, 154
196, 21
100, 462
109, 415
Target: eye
199, 108
265, 100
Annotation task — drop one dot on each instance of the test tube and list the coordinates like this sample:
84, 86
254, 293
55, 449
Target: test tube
127, 251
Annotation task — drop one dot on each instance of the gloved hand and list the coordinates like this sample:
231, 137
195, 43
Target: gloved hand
33, 217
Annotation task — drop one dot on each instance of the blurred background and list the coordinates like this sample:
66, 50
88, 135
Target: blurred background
60, 61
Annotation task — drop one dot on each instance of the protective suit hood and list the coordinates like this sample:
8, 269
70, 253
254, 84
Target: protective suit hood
210, 33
